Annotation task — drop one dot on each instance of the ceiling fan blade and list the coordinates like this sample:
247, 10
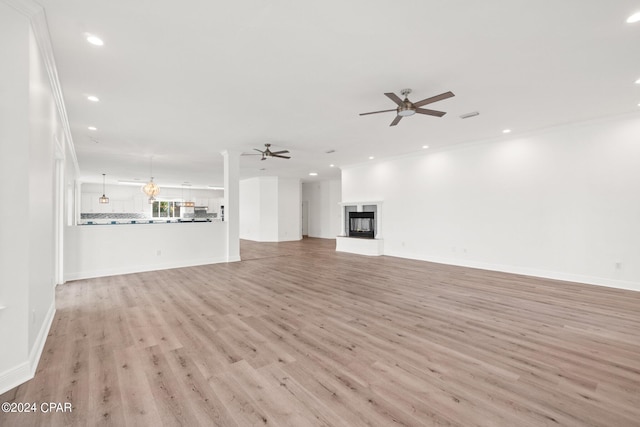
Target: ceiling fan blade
376, 112
430, 112
259, 151
280, 152
433, 99
250, 154
392, 96
396, 121
278, 155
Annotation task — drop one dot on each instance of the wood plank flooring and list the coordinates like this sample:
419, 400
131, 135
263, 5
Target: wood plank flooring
299, 335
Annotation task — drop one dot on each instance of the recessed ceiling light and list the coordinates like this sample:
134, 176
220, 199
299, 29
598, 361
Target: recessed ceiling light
633, 18
93, 98
371, 157
506, 131
638, 82
425, 146
94, 40
313, 173
92, 128
332, 165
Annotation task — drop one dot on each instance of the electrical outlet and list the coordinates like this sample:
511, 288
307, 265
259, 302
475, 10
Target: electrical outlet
618, 265
159, 252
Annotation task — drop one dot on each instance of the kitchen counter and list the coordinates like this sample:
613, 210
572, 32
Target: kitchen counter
146, 221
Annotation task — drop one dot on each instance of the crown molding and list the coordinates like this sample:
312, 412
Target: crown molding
36, 15
26, 7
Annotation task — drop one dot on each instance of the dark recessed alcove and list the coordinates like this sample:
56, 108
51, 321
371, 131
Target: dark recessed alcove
361, 224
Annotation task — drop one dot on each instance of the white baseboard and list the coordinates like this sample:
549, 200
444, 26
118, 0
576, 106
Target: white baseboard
26, 370
554, 275
41, 339
15, 376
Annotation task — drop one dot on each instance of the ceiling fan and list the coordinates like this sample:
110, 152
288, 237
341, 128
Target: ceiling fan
407, 108
268, 153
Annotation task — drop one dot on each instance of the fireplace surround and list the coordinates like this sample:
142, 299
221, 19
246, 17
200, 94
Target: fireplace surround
362, 224
361, 231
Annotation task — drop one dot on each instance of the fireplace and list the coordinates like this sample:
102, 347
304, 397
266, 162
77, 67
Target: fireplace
361, 224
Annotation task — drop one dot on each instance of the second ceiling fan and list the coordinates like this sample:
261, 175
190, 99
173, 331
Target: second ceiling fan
266, 153
407, 108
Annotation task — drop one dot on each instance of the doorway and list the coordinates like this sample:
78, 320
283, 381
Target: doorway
305, 218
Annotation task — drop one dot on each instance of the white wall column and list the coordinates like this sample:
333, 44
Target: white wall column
232, 203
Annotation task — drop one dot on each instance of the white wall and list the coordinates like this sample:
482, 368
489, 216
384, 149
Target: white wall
324, 209
105, 250
269, 195
562, 203
270, 209
289, 209
14, 183
30, 129
250, 209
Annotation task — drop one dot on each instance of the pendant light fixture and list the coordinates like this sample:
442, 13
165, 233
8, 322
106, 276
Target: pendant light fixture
183, 203
187, 204
151, 189
104, 199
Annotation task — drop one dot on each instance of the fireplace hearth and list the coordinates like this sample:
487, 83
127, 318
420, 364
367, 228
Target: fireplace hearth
361, 224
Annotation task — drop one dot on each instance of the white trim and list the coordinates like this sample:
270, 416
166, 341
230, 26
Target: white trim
38, 20
38, 345
355, 245
14, 377
144, 268
26, 7
544, 274
26, 370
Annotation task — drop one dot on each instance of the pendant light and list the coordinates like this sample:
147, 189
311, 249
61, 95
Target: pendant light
189, 204
104, 199
151, 189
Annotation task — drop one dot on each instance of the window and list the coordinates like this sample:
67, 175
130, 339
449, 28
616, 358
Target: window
165, 209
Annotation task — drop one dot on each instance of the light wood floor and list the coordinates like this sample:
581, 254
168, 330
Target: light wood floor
299, 335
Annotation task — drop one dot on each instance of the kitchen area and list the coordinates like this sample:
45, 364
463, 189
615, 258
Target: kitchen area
127, 204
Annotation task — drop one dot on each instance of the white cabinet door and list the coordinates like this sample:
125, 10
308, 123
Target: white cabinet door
85, 204
128, 206
117, 206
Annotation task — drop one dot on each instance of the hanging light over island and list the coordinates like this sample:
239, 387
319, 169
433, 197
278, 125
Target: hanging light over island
151, 189
104, 199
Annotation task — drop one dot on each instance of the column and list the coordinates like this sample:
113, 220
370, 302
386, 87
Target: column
232, 203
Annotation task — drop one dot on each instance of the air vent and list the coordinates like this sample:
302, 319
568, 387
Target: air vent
472, 114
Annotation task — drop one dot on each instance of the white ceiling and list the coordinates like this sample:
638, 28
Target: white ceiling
182, 81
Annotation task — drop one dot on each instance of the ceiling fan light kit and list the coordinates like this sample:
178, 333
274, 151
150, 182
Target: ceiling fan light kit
407, 108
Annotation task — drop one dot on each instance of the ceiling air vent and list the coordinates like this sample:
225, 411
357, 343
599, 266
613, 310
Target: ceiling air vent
472, 114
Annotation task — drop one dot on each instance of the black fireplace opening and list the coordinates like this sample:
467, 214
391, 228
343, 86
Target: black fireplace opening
361, 224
